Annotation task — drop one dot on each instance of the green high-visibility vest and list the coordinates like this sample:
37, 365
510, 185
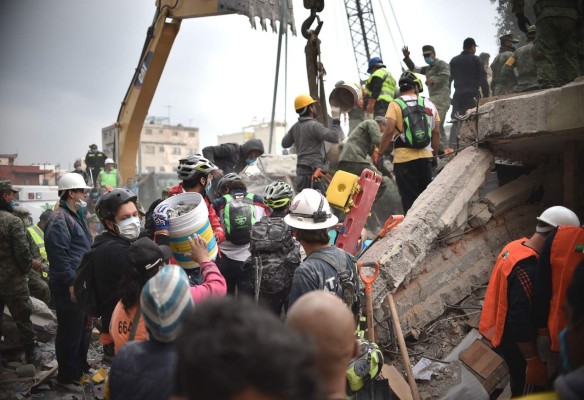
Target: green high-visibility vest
388, 87
39, 238
109, 179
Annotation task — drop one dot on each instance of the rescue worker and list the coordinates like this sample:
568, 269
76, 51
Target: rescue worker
438, 81
79, 170
308, 136
379, 88
238, 211
37, 287
364, 141
109, 175
485, 57
118, 214
522, 66
412, 164
468, 74
67, 239
328, 322
196, 175
93, 225
325, 267
507, 317
15, 262
555, 49
500, 85
562, 252
232, 157
94, 162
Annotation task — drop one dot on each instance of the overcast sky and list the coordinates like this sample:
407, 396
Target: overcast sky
66, 65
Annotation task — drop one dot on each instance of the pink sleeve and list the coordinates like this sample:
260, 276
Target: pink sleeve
213, 283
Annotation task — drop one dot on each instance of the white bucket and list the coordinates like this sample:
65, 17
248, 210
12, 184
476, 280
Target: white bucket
182, 227
345, 96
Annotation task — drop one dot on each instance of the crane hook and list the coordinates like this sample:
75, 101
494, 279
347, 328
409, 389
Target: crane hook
306, 32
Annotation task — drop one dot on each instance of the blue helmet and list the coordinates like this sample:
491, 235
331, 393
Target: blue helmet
375, 62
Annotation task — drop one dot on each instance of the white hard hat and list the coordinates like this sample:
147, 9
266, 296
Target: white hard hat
72, 180
556, 216
310, 210
109, 161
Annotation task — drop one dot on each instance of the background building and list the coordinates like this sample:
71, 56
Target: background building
260, 131
161, 146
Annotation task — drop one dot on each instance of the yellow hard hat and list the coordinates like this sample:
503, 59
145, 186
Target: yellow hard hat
302, 101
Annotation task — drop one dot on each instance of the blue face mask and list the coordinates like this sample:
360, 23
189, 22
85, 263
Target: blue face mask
514, 45
429, 60
564, 352
249, 161
11, 205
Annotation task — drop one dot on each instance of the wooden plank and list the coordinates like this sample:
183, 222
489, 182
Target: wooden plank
397, 383
474, 320
481, 359
570, 171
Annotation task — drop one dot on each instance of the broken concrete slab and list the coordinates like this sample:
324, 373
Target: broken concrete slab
513, 193
402, 251
43, 320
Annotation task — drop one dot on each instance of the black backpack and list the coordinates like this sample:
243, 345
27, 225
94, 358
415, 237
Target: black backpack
85, 285
238, 218
417, 130
275, 253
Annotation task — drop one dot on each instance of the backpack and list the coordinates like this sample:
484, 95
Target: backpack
417, 130
347, 278
238, 218
85, 285
274, 253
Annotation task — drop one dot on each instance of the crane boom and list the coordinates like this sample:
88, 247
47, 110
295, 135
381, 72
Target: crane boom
363, 33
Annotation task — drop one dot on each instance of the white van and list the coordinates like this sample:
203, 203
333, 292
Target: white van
36, 199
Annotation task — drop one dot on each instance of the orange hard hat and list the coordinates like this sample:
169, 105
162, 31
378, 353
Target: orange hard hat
303, 100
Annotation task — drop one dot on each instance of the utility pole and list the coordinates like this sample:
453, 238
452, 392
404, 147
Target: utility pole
169, 107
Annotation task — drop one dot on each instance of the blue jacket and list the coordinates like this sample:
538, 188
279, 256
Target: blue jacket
143, 371
67, 239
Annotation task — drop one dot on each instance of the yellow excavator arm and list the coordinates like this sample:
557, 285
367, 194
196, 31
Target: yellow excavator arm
159, 40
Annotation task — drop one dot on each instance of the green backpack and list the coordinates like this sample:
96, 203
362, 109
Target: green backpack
238, 218
417, 130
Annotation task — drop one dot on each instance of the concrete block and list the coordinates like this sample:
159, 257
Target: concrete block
478, 215
512, 194
26, 371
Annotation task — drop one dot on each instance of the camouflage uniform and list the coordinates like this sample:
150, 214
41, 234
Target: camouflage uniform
502, 84
15, 263
522, 62
439, 73
555, 50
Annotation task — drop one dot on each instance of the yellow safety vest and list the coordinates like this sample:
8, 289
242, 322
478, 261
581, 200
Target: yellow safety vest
109, 179
388, 87
39, 238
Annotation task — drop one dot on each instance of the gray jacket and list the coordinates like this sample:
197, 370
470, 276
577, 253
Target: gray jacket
309, 135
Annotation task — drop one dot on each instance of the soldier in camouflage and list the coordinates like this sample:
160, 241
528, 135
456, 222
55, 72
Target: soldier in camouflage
521, 66
15, 262
37, 287
438, 81
555, 49
500, 85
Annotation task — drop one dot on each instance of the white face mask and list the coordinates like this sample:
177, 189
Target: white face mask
129, 228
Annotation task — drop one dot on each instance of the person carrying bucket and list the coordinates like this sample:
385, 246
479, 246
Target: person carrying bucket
239, 211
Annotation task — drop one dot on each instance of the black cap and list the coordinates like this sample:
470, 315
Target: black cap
93, 146
469, 42
427, 49
146, 256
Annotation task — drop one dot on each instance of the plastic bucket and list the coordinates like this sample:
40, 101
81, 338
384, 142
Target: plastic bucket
345, 96
182, 227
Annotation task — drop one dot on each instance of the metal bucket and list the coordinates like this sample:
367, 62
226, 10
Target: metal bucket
345, 96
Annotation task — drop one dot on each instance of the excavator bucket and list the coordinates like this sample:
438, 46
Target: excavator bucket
261, 9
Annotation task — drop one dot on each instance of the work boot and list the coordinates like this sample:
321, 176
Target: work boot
33, 354
108, 352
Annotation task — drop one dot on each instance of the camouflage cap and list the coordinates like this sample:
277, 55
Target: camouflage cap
91, 218
531, 30
6, 185
20, 211
508, 37
427, 49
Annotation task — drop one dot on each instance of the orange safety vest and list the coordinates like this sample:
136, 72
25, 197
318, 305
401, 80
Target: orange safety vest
567, 251
494, 313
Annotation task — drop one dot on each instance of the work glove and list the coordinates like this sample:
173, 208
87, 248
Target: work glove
536, 372
161, 218
522, 22
335, 112
543, 345
370, 106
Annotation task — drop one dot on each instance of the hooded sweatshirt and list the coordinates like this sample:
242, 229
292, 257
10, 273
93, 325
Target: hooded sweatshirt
230, 157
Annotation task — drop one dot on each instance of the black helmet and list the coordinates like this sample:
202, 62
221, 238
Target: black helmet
409, 78
108, 204
230, 177
190, 167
